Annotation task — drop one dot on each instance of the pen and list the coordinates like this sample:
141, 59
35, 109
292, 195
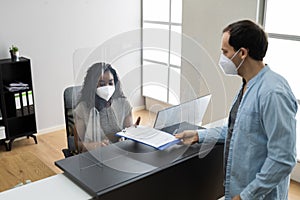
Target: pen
137, 122
175, 131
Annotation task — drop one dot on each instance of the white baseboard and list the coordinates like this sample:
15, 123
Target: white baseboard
138, 108
51, 129
296, 173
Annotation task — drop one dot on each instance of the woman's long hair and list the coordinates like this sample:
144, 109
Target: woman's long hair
88, 91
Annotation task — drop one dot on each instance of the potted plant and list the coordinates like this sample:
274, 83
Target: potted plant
14, 53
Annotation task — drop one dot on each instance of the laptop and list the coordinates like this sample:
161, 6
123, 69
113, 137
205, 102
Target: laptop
185, 116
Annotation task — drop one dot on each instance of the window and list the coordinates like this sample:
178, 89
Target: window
281, 23
162, 25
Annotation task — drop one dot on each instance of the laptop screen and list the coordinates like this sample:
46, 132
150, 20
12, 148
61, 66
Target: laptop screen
191, 112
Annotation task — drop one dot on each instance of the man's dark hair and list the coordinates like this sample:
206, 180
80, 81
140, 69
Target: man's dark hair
249, 35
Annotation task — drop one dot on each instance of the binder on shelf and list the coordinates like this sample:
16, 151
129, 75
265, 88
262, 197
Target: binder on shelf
18, 105
25, 103
2, 132
30, 102
30, 99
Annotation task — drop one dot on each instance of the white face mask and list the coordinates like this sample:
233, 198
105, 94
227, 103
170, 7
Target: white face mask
228, 66
105, 92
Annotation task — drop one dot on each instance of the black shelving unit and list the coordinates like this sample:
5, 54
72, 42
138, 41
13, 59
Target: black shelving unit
17, 105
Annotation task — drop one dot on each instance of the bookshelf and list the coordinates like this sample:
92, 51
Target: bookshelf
16, 101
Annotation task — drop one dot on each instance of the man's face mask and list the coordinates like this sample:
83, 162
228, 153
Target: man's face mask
227, 66
105, 92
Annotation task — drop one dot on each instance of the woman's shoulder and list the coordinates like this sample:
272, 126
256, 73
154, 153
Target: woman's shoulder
121, 99
81, 108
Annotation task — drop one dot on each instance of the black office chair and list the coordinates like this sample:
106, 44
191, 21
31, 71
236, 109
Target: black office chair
70, 96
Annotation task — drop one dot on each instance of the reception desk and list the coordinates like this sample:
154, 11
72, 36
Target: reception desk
135, 171
154, 175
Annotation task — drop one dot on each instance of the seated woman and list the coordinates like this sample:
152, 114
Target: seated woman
102, 109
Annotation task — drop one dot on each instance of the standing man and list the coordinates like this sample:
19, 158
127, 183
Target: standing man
260, 137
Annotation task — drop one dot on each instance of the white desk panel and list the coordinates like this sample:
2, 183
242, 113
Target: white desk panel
51, 188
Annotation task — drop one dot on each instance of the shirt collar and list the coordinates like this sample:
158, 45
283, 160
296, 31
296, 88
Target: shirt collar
258, 75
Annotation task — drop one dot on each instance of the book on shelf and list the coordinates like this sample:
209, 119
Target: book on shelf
15, 89
16, 86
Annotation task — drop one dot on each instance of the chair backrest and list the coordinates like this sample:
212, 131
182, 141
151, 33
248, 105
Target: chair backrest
70, 97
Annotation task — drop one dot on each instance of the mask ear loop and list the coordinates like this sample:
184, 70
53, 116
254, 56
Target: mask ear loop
240, 62
240, 65
235, 54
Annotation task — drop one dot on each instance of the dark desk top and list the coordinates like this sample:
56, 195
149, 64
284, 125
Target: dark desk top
113, 166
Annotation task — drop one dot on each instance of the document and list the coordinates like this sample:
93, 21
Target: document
149, 136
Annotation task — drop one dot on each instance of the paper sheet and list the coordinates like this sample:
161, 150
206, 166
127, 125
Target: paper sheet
148, 135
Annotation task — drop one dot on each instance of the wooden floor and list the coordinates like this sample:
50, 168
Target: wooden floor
22, 168
49, 147
47, 150
294, 192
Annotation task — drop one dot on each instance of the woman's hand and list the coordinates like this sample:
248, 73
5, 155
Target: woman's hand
93, 145
104, 142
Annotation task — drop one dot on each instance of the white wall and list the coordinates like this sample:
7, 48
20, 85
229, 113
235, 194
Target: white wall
204, 21
48, 32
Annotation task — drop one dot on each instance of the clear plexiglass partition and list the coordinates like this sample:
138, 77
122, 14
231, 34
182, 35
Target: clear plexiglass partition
97, 120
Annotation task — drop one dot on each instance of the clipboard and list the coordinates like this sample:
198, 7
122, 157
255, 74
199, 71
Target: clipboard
149, 136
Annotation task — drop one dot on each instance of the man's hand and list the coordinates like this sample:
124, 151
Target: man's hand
237, 197
188, 137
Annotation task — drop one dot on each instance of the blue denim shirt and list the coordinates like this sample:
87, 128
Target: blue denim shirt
262, 150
